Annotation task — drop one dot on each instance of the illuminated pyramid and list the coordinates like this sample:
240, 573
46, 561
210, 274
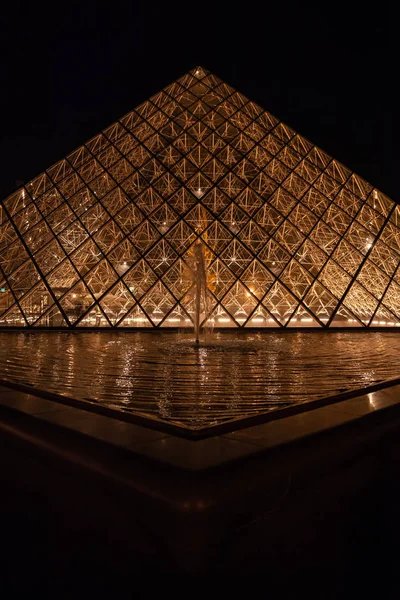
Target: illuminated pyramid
291, 237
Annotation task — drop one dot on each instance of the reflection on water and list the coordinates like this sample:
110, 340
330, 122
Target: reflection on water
166, 377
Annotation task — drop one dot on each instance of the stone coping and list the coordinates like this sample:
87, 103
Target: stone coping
201, 455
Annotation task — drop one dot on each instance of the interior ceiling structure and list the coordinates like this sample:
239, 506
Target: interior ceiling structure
292, 238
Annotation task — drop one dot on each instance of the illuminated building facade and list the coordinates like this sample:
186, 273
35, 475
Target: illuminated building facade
292, 238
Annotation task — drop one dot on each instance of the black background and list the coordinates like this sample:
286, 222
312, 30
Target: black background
70, 69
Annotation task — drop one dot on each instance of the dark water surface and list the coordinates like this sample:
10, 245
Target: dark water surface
164, 376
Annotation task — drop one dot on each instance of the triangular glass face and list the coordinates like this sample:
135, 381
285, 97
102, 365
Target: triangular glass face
13, 318
35, 303
178, 317
188, 303
303, 318
140, 278
280, 303
220, 318
62, 278
221, 278
178, 279
94, 318
257, 279
23, 279
384, 318
161, 257
344, 318
261, 318
157, 303
320, 302
76, 302
135, 318
239, 302
52, 318
106, 237
117, 303
362, 304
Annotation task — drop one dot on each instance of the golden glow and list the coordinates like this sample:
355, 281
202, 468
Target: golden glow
290, 236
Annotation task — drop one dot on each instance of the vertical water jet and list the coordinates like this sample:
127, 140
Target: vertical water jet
200, 281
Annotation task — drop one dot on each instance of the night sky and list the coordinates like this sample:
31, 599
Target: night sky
69, 71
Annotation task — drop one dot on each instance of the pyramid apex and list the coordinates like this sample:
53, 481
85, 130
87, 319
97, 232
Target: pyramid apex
199, 72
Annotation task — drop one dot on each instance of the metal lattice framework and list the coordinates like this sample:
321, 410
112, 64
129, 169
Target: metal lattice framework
105, 237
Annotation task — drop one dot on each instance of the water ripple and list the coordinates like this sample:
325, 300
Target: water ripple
167, 377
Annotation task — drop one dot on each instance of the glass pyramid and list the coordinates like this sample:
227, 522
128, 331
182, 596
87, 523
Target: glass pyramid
292, 238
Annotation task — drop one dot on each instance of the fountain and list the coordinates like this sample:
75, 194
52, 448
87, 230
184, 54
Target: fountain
199, 271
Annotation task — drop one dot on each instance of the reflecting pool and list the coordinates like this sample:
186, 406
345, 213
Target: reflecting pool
164, 376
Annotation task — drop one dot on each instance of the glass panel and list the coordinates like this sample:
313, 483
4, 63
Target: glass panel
23, 279
76, 302
297, 279
62, 278
157, 303
361, 303
280, 303
94, 318
51, 318
320, 302
35, 303
139, 279
117, 302
100, 278
49, 257
303, 318
13, 318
